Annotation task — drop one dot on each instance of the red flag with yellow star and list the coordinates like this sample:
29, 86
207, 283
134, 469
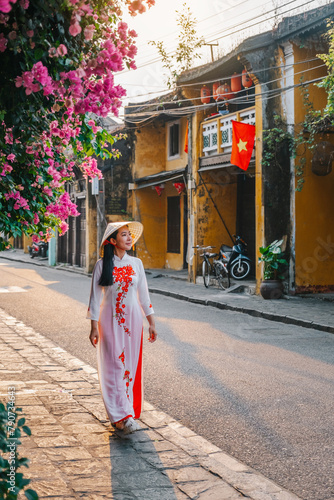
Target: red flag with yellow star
243, 138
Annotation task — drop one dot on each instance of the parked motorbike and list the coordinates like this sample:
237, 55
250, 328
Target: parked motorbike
238, 264
39, 249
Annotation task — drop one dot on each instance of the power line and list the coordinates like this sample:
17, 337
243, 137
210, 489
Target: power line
214, 37
230, 76
189, 109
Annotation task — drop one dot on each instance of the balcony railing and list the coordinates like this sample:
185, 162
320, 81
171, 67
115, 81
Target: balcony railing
217, 131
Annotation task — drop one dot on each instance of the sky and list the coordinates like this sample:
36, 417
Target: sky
226, 22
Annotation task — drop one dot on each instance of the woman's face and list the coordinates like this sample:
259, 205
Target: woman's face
123, 239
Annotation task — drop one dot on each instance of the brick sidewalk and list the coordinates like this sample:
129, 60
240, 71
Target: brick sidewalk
74, 452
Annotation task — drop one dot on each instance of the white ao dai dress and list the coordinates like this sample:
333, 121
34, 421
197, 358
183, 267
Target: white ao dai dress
119, 311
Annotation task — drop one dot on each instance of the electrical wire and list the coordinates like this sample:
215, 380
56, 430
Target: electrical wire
187, 110
158, 59
206, 82
157, 103
246, 21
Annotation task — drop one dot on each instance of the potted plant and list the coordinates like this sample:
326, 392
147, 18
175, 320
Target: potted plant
273, 258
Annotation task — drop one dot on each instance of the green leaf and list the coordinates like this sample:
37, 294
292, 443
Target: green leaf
26, 430
31, 494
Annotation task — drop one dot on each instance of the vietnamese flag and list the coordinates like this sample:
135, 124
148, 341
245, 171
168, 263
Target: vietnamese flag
243, 138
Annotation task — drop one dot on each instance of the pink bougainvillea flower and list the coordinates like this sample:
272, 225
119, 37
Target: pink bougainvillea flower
89, 32
12, 35
75, 29
62, 50
24, 4
5, 5
30, 33
11, 157
52, 52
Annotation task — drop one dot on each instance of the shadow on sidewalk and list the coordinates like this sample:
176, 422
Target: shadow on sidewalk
136, 469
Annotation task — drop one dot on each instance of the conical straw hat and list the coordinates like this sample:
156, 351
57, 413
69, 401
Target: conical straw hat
135, 228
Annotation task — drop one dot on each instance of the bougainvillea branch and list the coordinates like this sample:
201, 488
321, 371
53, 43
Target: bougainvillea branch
58, 60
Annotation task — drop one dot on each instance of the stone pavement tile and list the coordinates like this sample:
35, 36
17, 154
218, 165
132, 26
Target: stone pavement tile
142, 479
100, 483
92, 439
39, 429
166, 493
169, 459
26, 399
54, 486
77, 418
220, 492
78, 388
155, 419
67, 453
99, 496
36, 410
229, 461
134, 463
91, 467
56, 441
81, 428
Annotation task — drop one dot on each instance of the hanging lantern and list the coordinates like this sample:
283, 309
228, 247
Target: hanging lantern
215, 87
323, 158
236, 83
246, 80
179, 186
223, 92
205, 95
159, 189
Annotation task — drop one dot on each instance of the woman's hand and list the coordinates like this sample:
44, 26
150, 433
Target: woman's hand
94, 334
152, 334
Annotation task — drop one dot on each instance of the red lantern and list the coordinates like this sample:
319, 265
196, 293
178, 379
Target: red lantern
236, 83
246, 80
223, 92
205, 95
215, 87
179, 186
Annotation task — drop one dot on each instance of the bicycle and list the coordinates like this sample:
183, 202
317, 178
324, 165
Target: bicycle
217, 269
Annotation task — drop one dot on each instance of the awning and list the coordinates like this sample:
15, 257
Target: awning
155, 179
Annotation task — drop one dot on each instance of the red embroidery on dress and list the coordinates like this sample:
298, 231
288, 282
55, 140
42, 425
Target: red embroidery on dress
126, 374
122, 276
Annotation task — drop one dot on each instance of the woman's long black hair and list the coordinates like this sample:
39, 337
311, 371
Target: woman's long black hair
106, 278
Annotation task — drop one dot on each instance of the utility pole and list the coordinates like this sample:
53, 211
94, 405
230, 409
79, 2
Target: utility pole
211, 45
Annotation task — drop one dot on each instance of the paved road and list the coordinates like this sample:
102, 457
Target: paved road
261, 391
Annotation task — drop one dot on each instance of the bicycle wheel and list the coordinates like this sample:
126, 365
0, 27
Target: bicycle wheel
223, 277
206, 273
240, 269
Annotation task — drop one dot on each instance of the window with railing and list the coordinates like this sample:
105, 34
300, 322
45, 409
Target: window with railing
217, 131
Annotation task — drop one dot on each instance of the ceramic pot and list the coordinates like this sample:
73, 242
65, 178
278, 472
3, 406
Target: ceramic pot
271, 289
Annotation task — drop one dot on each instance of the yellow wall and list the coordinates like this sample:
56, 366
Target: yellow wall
150, 154
149, 208
210, 228
182, 160
314, 204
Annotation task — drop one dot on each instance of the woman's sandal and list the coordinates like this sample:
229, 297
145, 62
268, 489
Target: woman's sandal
130, 426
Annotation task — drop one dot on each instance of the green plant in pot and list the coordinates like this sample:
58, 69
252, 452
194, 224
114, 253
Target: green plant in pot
274, 263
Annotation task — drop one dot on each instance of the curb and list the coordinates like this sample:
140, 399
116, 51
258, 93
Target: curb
251, 312
242, 478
